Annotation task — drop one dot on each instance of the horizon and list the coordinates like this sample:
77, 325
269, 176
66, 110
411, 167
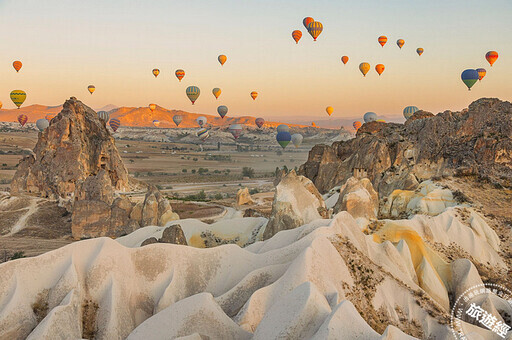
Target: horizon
115, 48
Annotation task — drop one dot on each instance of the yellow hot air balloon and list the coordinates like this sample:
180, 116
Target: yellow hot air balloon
222, 59
254, 94
329, 110
18, 97
152, 107
364, 68
91, 88
315, 28
379, 68
156, 72
216, 92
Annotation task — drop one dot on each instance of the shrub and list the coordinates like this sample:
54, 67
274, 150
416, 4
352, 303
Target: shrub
193, 171
248, 172
183, 170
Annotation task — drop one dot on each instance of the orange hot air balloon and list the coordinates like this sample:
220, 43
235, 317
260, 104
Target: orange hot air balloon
364, 68
1, 105
491, 57
22, 119
17, 65
379, 68
400, 43
307, 21
254, 94
296, 35
344, 59
91, 88
152, 107
313, 124
329, 110
357, 124
222, 59
179, 74
156, 72
383, 40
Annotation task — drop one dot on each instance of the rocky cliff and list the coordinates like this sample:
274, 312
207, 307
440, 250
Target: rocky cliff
75, 146
476, 141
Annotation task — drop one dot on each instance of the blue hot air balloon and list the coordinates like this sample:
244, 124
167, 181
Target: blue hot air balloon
409, 111
222, 110
370, 117
283, 138
470, 77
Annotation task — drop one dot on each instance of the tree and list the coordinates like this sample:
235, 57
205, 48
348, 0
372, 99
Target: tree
248, 172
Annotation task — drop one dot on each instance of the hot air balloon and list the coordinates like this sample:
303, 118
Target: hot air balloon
364, 68
91, 88
379, 68
203, 134
222, 110
419, 50
469, 77
329, 110
315, 28
370, 117
216, 92
254, 95
481, 73
491, 57
380, 120
313, 124
236, 130
156, 72
18, 97
297, 139
259, 122
103, 115
17, 65
156, 123
179, 74
152, 107
344, 59
409, 111
22, 119
201, 121
296, 35
177, 119
222, 59
193, 93
283, 138
383, 40
42, 124
357, 124
1, 104
400, 43
114, 124
307, 21
283, 127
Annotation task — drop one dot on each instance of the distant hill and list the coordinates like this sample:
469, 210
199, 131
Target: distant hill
107, 108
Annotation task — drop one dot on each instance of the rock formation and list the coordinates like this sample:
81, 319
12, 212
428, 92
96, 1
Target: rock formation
243, 197
172, 234
75, 146
358, 198
475, 141
296, 202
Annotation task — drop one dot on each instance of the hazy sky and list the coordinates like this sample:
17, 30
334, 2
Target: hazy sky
65, 45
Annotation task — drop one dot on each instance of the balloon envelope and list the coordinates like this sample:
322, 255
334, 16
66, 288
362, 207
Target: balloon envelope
296, 35
344, 59
91, 88
481, 73
400, 42
103, 115
283, 138
469, 77
259, 122
18, 97
222, 110
383, 40
156, 72
22, 119
236, 130
329, 110
193, 93
17, 65
283, 127
216, 92
114, 124
155, 123
364, 68
357, 124
307, 21
177, 119
379, 68
491, 57
315, 28
419, 50
409, 111
152, 107
370, 117
201, 121
297, 139
179, 74
203, 134
254, 95
222, 59
42, 124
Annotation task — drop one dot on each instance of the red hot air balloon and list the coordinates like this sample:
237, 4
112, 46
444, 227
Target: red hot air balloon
296, 35
491, 57
22, 119
259, 122
307, 21
344, 59
383, 40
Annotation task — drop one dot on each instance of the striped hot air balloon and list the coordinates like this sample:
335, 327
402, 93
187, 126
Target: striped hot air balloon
259, 122
17, 65
203, 134
296, 35
283, 127
357, 124
481, 73
114, 124
400, 43
409, 111
379, 68
364, 68
18, 97
91, 88
315, 28
491, 57
344, 59
420, 51
216, 92
254, 95
179, 74
307, 21
193, 93
222, 59
283, 138
222, 111
383, 40
236, 130
103, 116
469, 77
22, 119
177, 119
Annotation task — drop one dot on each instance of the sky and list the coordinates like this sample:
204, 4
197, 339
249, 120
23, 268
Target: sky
66, 45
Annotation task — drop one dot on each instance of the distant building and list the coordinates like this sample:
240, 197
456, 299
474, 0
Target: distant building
360, 173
